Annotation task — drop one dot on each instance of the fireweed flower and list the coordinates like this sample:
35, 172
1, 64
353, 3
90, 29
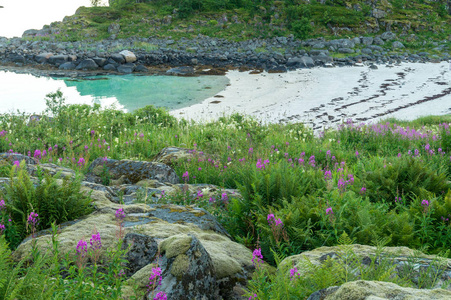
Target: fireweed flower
425, 204
155, 278
95, 241
2, 204
37, 154
17, 163
363, 190
328, 175
224, 197
257, 257
185, 176
329, 211
33, 220
294, 273
81, 162
160, 296
253, 297
82, 248
2, 228
199, 194
120, 215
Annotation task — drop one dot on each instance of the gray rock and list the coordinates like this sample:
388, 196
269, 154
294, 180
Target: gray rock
367, 51
388, 36
374, 67
118, 58
141, 68
114, 28
67, 66
378, 41
397, 45
43, 57
188, 273
143, 251
58, 59
197, 216
377, 290
12, 157
367, 40
378, 13
376, 48
87, 64
126, 69
181, 71
301, 62
100, 61
341, 43
17, 58
345, 50
109, 67
131, 172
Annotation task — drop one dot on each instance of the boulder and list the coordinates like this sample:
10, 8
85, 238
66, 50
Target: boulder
67, 66
43, 57
188, 271
129, 56
118, 58
345, 50
51, 169
377, 290
367, 40
378, 13
141, 68
58, 59
109, 67
17, 58
181, 71
301, 62
171, 155
100, 61
12, 157
87, 64
131, 172
142, 252
114, 28
388, 36
406, 261
127, 68
397, 45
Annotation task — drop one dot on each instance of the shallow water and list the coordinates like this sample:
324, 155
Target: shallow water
26, 93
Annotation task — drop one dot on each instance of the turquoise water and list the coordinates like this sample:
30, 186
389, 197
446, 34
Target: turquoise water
26, 93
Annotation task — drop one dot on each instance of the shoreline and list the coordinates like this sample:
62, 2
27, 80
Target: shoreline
324, 97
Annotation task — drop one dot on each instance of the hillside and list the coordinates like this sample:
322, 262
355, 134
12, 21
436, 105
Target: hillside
418, 23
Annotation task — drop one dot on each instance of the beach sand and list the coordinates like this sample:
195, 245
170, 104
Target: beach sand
324, 97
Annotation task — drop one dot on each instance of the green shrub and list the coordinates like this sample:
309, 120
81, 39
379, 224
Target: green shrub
409, 178
54, 200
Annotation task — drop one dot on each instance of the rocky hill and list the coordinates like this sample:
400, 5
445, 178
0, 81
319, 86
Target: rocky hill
420, 23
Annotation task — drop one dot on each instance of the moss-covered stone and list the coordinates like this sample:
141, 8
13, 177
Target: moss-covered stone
175, 245
357, 290
180, 265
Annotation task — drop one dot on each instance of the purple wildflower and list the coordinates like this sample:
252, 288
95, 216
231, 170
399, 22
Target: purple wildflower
257, 257
82, 248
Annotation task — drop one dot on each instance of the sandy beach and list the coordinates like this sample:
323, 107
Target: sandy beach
324, 97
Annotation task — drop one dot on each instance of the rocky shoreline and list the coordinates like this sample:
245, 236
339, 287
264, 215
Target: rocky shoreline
193, 57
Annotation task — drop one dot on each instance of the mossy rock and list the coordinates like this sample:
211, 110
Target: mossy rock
377, 290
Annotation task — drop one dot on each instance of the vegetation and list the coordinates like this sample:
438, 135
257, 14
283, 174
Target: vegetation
297, 190
246, 19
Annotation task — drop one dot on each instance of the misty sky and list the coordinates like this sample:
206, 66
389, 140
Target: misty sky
16, 16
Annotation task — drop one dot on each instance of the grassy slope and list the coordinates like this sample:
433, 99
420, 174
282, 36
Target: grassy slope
429, 21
